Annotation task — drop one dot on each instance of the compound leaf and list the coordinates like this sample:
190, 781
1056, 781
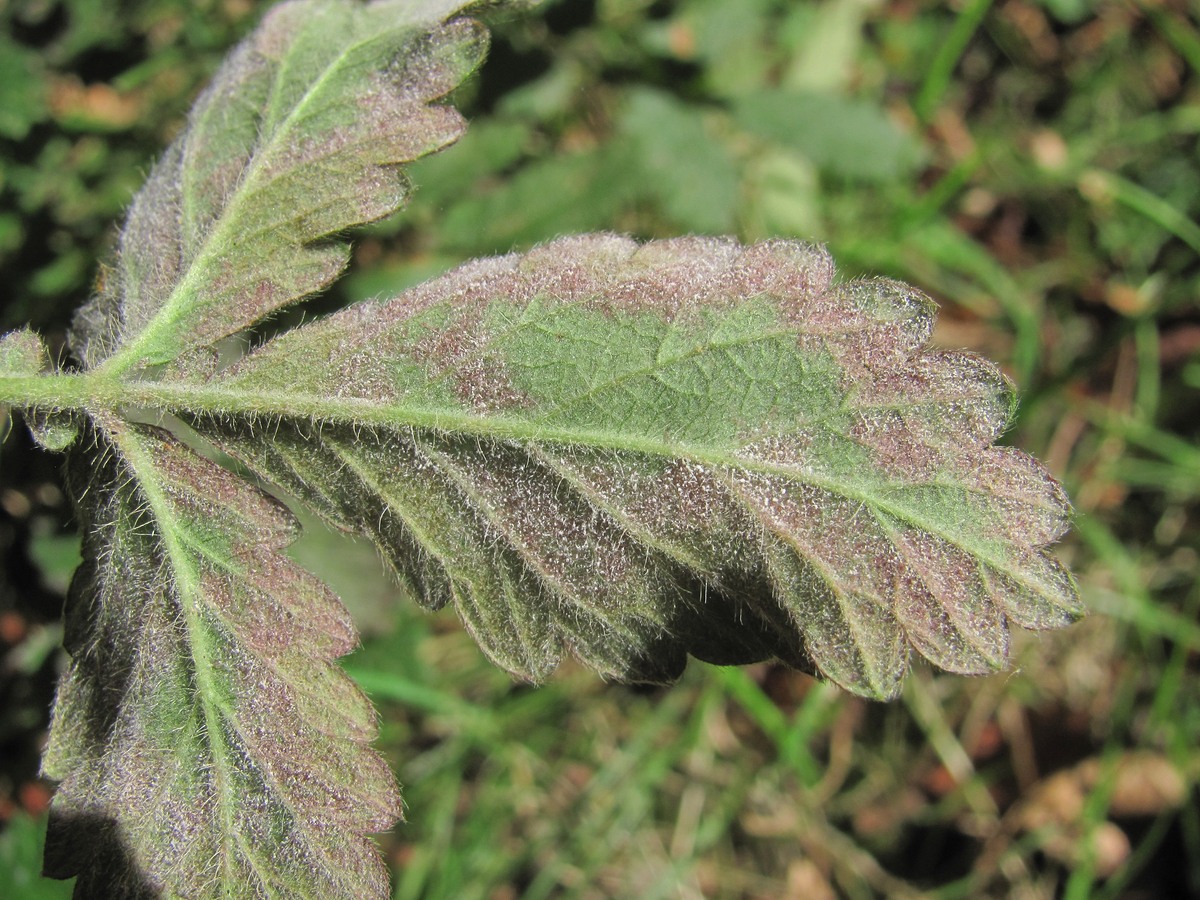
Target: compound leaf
629, 453
299, 136
636, 452
206, 743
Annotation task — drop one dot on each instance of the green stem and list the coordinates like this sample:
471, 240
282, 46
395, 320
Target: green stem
941, 70
47, 392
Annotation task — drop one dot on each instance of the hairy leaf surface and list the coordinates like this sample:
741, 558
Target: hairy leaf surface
636, 452
629, 453
207, 744
299, 136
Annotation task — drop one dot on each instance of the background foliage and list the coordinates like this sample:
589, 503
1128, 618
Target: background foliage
1033, 165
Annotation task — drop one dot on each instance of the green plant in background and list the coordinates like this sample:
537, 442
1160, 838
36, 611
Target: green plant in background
623, 452
85, 88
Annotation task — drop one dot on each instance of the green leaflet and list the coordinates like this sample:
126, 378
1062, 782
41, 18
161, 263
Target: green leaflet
206, 742
633, 453
298, 137
21, 353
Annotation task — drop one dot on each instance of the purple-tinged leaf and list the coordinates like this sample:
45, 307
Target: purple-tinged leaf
629, 453
300, 136
207, 743
633, 452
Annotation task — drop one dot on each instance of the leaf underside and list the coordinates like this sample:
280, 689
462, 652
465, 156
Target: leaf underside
629, 453
299, 136
633, 453
207, 743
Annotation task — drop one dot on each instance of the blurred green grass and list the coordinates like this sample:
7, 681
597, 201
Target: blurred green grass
1032, 165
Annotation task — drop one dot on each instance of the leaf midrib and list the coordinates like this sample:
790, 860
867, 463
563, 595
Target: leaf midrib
95, 391
184, 553
186, 586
